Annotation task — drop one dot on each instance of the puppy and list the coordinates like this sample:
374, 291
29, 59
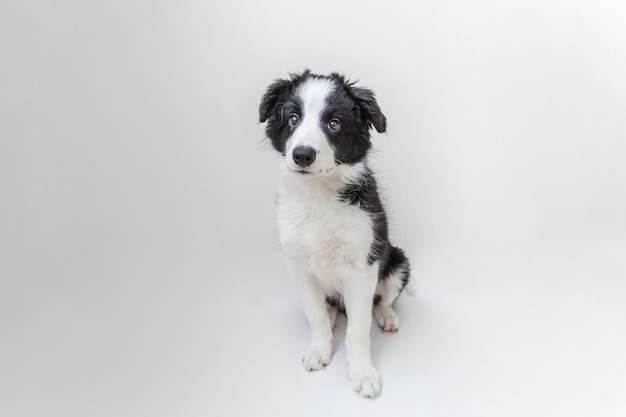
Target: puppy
332, 224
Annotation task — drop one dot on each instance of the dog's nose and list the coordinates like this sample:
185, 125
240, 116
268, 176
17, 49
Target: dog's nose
304, 156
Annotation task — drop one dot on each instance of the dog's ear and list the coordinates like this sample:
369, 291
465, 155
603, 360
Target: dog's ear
270, 98
276, 90
370, 111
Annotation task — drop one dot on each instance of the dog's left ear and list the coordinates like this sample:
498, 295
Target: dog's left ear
370, 110
270, 98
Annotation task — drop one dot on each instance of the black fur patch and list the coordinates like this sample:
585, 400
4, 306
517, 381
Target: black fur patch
277, 103
336, 301
364, 194
377, 299
396, 262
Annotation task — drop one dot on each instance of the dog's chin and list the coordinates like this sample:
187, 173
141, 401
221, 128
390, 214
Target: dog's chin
308, 172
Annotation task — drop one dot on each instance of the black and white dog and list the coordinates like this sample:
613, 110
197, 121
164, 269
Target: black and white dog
332, 225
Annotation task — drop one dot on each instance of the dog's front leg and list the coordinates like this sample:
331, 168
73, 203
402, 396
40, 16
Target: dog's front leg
313, 300
358, 294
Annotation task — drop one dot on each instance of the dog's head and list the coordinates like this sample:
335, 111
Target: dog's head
319, 122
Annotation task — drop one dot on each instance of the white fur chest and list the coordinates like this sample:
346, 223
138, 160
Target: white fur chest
321, 234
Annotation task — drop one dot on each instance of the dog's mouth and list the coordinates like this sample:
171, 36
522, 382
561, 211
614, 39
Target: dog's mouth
300, 170
308, 172
312, 174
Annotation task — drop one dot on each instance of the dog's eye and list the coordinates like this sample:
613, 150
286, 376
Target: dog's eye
334, 125
294, 120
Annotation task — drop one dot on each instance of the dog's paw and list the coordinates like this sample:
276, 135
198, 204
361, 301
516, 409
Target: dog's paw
387, 319
365, 381
316, 358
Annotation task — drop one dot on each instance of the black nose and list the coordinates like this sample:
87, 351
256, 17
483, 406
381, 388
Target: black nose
304, 156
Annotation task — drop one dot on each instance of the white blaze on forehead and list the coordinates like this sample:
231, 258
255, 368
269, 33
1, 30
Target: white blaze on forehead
314, 93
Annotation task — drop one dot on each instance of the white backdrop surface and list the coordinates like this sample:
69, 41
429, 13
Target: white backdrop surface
140, 273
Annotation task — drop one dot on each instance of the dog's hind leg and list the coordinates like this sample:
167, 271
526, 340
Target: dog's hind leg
388, 290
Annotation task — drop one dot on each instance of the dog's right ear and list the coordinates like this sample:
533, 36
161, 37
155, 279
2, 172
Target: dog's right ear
270, 98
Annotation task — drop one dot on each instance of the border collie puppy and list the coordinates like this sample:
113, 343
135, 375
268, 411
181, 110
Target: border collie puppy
332, 225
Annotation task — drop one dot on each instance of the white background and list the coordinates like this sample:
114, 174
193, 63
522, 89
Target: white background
140, 273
